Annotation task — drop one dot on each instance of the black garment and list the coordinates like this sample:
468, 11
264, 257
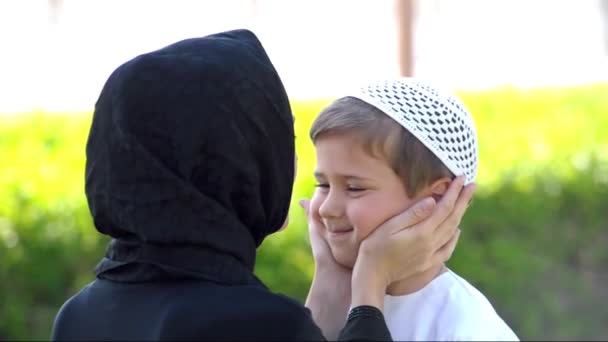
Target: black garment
190, 165
195, 310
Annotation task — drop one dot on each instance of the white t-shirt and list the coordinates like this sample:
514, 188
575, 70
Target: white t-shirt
446, 309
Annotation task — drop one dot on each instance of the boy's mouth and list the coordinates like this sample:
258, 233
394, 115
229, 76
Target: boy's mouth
338, 233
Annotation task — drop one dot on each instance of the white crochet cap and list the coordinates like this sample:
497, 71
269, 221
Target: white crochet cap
439, 120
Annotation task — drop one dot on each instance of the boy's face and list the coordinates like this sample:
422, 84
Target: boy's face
356, 193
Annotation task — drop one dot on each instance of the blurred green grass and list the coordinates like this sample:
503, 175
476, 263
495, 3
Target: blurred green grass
533, 241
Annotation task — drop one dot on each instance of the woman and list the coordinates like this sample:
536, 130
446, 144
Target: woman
190, 165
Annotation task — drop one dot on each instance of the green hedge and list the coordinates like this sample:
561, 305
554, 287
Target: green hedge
534, 240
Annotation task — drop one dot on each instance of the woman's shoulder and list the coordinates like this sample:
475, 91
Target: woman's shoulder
247, 296
244, 302
184, 310
252, 310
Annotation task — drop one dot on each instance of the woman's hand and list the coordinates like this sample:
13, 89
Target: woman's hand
409, 243
330, 292
324, 259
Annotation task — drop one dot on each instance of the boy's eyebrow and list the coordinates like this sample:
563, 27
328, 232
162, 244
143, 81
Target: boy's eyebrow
318, 174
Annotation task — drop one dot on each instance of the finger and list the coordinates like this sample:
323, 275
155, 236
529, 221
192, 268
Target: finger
312, 215
446, 229
413, 215
305, 204
446, 204
443, 237
315, 231
445, 252
463, 202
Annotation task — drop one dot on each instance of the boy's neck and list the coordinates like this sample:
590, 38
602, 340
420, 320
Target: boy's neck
415, 283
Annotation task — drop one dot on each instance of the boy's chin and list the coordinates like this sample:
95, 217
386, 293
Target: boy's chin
345, 259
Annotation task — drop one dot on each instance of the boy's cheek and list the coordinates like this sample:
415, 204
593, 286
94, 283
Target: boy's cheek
362, 231
366, 219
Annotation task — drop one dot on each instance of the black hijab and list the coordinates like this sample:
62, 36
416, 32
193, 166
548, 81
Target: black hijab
190, 161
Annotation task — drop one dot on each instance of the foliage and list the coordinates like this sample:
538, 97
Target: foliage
533, 241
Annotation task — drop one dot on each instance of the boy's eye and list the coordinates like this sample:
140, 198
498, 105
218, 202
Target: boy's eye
322, 185
355, 189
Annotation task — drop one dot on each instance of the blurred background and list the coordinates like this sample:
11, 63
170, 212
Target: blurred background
533, 73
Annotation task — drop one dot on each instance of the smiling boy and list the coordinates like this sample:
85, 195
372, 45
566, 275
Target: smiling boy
378, 152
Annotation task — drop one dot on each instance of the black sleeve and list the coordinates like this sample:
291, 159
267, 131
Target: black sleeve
365, 323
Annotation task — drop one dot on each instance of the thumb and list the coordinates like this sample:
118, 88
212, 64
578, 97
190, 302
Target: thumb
305, 204
413, 215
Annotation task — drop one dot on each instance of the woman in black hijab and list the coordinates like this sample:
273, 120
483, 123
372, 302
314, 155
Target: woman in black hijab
190, 165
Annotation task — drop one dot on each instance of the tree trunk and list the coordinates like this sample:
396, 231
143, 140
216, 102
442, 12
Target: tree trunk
603, 5
404, 15
54, 9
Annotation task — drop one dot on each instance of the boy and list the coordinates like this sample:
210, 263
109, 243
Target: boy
379, 151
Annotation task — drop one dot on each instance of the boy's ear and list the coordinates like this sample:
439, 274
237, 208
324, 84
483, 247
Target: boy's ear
439, 187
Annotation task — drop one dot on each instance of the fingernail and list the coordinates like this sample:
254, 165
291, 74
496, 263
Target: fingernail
301, 202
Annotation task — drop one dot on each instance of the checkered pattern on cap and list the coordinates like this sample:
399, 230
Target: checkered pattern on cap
439, 120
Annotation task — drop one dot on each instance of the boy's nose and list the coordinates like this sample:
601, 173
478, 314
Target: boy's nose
332, 206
